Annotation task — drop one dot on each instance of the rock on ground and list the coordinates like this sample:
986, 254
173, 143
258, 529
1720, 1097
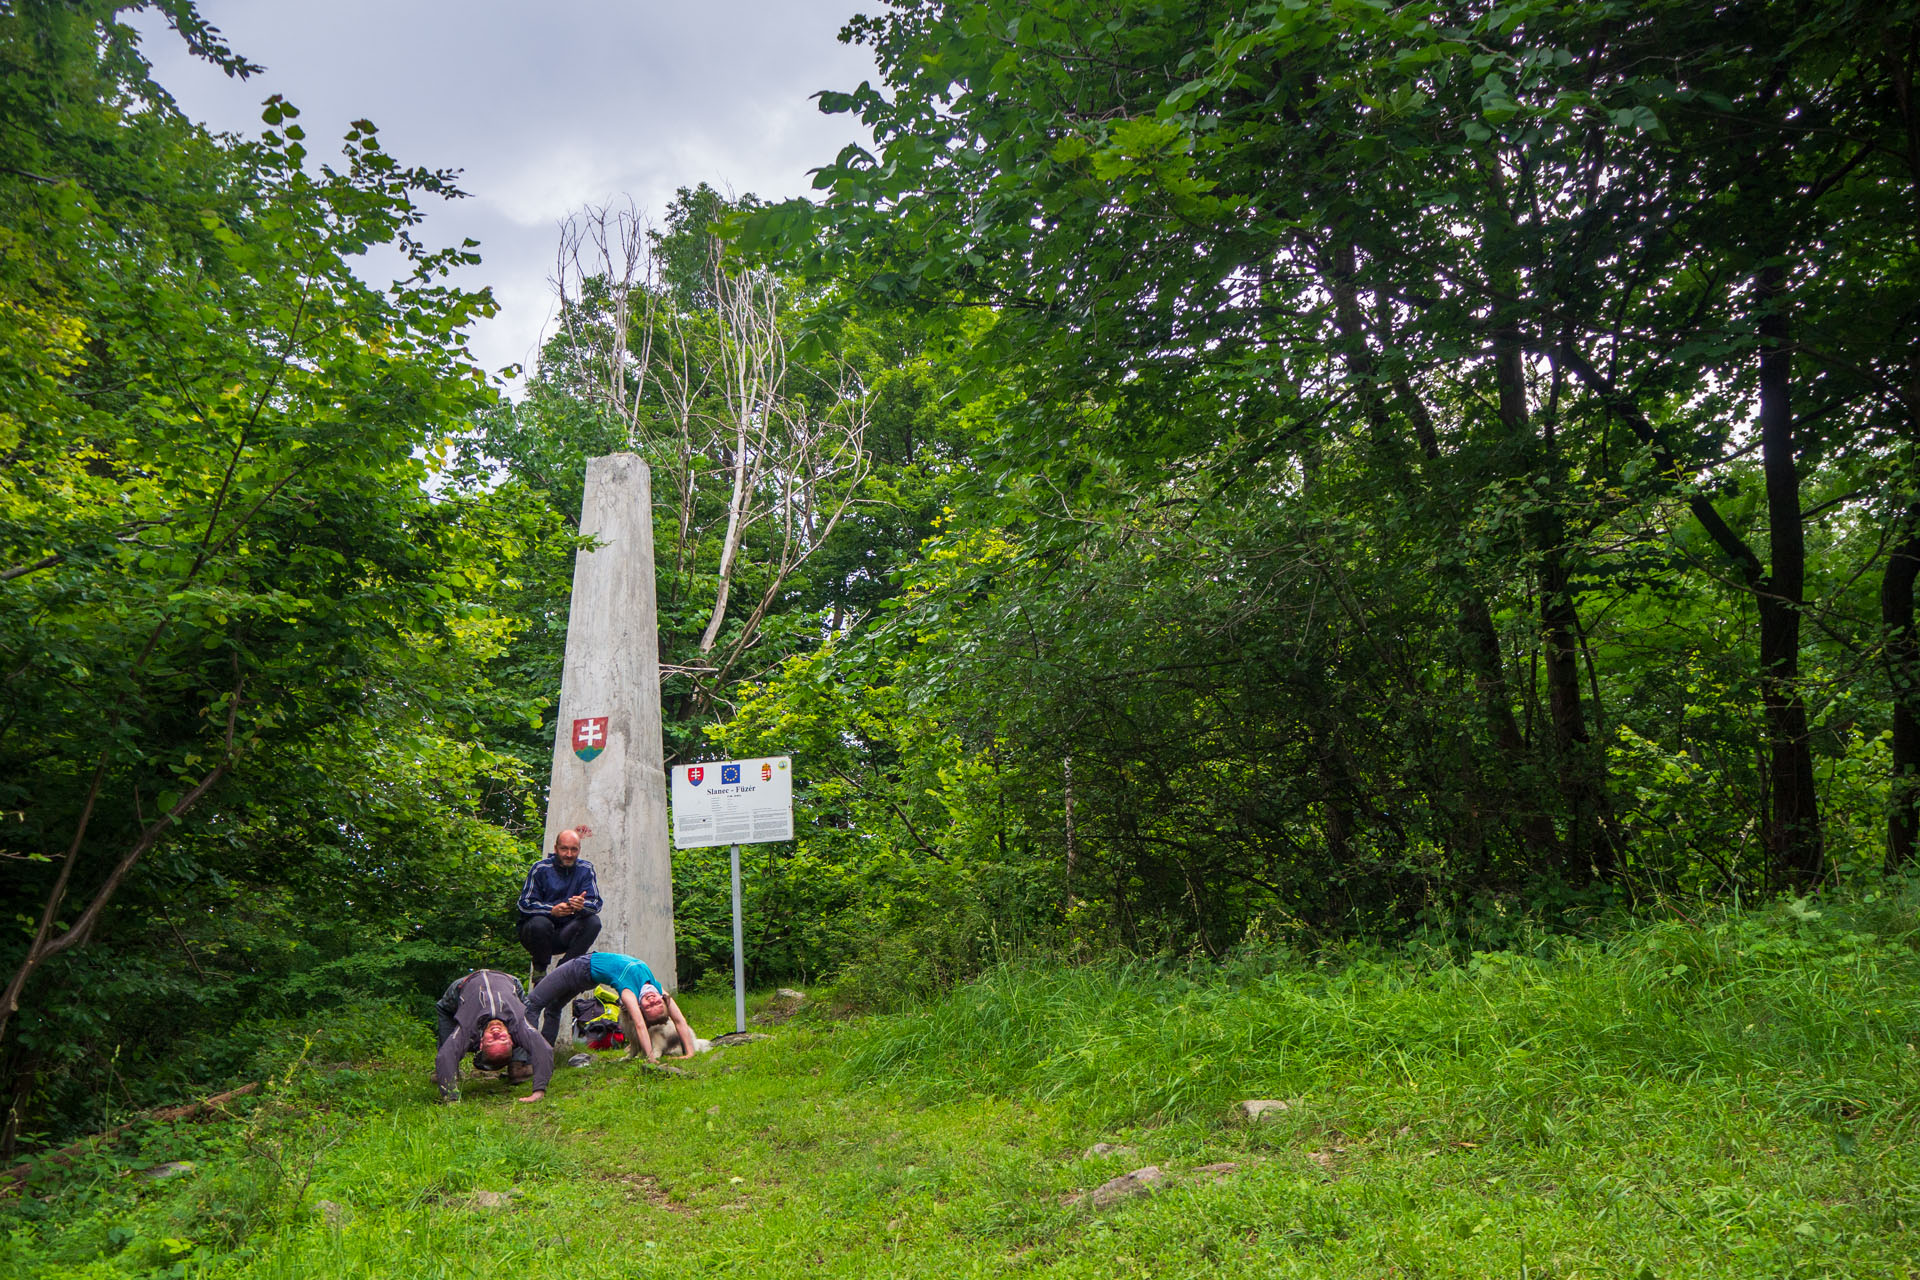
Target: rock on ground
172, 1169
1124, 1187
1105, 1149
785, 1003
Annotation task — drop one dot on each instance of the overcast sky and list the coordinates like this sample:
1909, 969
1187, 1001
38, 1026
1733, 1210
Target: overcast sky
545, 107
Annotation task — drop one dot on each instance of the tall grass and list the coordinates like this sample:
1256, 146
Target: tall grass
1805, 1012
1724, 1098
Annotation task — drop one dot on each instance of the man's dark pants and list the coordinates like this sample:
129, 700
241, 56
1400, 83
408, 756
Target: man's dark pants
567, 937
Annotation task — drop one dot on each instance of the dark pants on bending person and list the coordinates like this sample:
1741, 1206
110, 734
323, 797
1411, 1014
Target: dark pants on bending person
544, 937
567, 980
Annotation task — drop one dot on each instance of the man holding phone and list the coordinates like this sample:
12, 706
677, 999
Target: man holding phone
560, 904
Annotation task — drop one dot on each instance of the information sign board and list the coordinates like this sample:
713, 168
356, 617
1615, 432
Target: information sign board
732, 802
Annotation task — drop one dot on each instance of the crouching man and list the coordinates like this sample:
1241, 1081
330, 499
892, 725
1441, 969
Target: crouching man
559, 904
483, 1014
643, 1002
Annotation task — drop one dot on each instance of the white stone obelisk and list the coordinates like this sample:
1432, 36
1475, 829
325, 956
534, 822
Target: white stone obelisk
608, 768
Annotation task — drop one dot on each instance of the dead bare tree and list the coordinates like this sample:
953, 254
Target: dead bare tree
710, 397
605, 266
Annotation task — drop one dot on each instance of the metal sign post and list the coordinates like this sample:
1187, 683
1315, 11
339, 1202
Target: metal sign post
733, 802
739, 953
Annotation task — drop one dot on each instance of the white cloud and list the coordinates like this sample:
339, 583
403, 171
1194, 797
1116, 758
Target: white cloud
544, 107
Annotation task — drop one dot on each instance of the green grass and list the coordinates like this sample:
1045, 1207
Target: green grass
1732, 1098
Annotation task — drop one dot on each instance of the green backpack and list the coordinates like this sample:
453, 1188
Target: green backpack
597, 1012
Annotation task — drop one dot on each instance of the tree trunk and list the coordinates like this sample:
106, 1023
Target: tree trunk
1475, 622
1588, 850
1897, 623
1073, 848
25, 1075
1480, 642
1794, 845
1902, 649
1792, 824
730, 546
1581, 772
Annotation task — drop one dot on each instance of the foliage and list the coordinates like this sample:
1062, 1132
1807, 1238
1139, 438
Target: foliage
1447, 452
251, 749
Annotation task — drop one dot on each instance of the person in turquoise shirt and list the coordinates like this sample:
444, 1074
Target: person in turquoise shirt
645, 1001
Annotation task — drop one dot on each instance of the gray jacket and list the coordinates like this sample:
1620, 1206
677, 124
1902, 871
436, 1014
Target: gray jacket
465, 1010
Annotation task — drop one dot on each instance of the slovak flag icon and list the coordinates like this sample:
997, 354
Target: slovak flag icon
589, 737
694, 774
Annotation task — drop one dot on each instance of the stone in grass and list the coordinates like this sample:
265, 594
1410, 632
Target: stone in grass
1260, 1108
493, 1199
1099, 1149
785, 1003
1217, 1174
331, 1212
738, 1037
1126, 1186
172, 1169
580, 1060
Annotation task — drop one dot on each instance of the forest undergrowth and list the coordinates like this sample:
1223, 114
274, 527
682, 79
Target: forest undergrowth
1728, 1095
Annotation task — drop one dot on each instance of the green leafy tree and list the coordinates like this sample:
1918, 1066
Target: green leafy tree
215, 531
1530, 270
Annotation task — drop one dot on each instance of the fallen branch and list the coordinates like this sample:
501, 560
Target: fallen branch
17, 1175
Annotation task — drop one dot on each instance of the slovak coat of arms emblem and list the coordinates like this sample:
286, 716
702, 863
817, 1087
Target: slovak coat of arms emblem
694, 774
589, 737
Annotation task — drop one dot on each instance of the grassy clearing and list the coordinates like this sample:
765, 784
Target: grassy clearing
1726, 1099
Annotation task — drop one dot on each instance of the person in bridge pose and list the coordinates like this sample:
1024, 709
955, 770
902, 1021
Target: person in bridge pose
650, 1013
483, 1014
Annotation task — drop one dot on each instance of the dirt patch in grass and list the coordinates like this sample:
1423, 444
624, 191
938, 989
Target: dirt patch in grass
644, 1186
